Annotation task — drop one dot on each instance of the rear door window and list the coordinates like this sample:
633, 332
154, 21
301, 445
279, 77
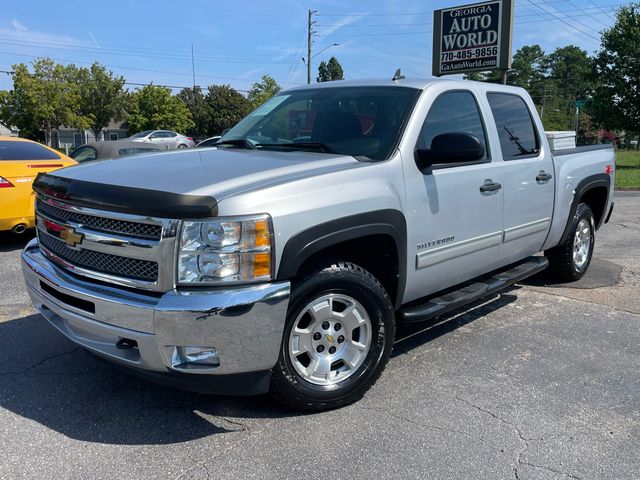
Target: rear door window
453, 112
17, 150
517, 133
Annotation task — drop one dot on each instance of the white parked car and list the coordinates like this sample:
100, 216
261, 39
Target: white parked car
165, 139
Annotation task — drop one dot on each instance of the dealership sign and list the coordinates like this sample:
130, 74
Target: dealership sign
472, 37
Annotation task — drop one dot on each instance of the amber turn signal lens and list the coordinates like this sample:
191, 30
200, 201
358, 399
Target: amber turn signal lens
262, 233
261, 265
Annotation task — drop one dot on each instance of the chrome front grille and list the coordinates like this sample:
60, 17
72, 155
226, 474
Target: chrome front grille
131, 250
101, 262
101, 224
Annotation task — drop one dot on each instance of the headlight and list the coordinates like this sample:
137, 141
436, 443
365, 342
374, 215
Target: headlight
225, 250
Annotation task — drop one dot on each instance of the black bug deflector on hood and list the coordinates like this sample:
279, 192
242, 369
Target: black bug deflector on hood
139, 201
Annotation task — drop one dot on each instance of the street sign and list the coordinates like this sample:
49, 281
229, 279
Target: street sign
580, 103
472, 37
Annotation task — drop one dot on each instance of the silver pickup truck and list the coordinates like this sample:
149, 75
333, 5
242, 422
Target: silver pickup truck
282, 259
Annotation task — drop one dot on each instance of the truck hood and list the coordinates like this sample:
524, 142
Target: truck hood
210, 172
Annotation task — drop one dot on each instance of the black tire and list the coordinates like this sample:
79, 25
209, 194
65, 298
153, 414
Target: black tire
561, 260
290, 388
182, 145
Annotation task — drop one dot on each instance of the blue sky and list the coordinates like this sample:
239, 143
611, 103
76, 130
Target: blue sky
238, 41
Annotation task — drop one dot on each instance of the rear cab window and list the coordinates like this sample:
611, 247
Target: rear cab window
517, 133
17, 150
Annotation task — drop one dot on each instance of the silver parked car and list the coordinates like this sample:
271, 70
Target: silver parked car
165, 139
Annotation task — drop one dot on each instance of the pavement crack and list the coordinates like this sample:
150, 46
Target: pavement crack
544, 291
41, 362
520, 453
242, 426
523, 440
549, 469
402, 418
626, 226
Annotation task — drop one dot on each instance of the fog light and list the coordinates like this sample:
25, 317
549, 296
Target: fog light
198, 355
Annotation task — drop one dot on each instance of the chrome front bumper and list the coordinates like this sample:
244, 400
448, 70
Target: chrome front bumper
244, 324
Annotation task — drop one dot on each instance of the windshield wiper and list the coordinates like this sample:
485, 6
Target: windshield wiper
318, 146
240, 142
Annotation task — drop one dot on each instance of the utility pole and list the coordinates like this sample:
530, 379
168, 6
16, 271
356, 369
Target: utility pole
310, 33
193, 69
544, 102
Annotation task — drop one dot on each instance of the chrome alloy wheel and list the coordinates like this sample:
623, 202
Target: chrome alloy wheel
582, 243
330, 339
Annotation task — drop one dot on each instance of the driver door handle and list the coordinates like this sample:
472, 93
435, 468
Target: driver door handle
543, 176
490, 186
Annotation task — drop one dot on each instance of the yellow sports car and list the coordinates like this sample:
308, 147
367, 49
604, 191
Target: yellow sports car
20, 161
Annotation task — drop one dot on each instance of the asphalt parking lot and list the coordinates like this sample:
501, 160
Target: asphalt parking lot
540, 382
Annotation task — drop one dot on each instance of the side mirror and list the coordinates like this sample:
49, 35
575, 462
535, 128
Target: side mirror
450, 148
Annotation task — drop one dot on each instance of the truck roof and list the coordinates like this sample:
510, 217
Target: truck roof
417, 83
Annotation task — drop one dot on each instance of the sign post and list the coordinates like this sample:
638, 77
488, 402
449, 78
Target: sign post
472, 38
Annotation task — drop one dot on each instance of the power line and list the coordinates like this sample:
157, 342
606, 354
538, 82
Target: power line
602, 10
592, 16
534, 14
406, 14
87, 49
59, 59
422, 32
565, 22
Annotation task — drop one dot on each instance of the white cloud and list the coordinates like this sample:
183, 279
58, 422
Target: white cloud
25, 41
18, 26
343, 22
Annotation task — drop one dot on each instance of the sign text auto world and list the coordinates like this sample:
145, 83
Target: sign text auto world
472, 37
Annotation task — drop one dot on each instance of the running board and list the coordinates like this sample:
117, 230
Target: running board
470, 292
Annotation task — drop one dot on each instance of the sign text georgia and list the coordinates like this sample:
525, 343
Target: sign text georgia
472, 37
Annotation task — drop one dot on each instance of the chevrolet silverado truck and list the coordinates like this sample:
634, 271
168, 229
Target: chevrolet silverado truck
282, 259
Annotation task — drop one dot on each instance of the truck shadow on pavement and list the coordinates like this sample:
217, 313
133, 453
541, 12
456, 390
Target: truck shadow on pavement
46, 378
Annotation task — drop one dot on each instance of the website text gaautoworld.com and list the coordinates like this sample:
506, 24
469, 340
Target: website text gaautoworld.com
452, 66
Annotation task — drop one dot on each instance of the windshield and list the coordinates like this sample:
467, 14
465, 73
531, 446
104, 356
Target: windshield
357, 121
141, 134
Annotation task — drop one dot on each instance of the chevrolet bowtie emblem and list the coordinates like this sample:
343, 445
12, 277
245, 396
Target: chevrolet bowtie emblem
70, 237
330, 338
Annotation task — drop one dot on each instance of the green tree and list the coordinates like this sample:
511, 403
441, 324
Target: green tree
527, 69
153, 107
616, 99
331, 70
42, 100
195, 101
262, 91
101, 96
226, 106
571, 69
